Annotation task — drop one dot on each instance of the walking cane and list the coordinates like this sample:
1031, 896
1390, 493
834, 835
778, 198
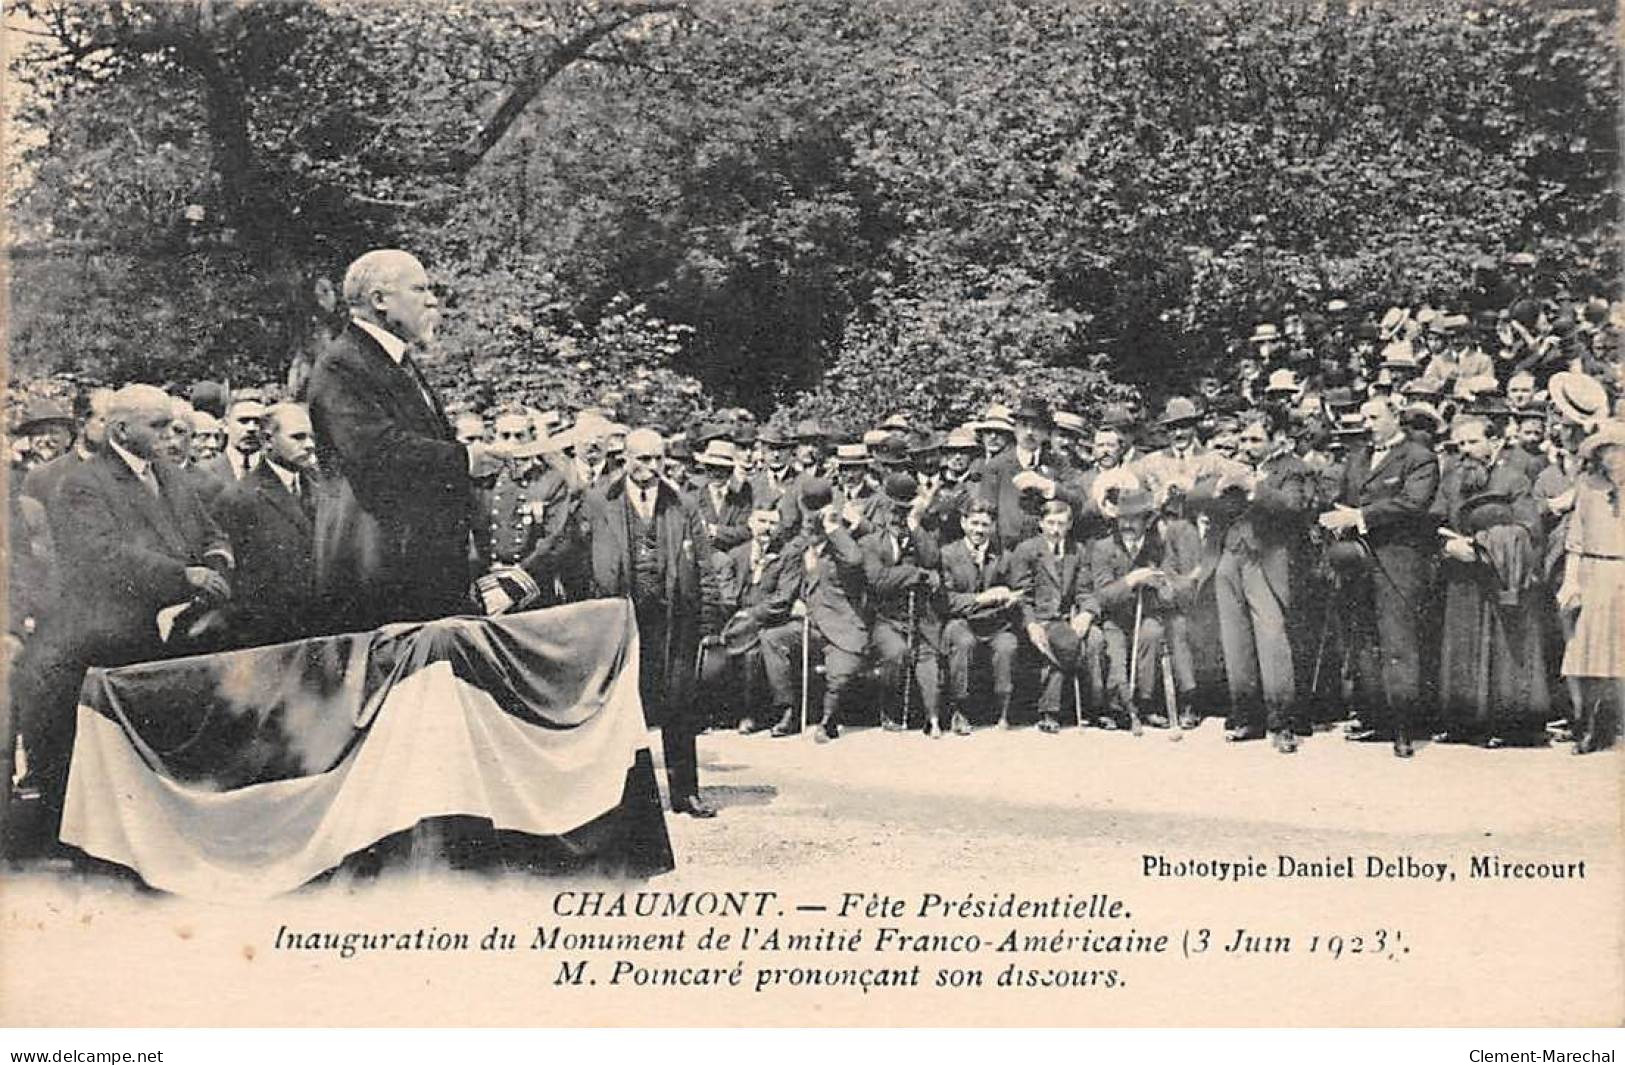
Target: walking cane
1134, 663
1320, 654
911, 647
1176, 728
806, 665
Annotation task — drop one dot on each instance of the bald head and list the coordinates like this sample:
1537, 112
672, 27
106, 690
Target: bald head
389, 288
644, 450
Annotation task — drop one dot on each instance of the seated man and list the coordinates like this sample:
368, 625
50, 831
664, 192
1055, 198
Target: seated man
1144, 575
1052, 577
978, 602
900, 562
823, 576
748, 586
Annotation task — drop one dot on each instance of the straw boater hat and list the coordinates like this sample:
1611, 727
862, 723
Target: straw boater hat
1282, 382
997, 417
1577, 397
1609, 433
720, 453
1179, 411
961, 439
851, 455
1068, 422
874, 436
1264, 332
1394, 323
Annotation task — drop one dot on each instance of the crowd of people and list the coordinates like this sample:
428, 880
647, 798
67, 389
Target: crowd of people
1412, 525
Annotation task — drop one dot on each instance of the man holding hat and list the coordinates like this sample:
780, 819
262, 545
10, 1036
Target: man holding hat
1051, 579
956, 485
823, 577
723, 498
1020, 479
979, 602
900, 560
749, 589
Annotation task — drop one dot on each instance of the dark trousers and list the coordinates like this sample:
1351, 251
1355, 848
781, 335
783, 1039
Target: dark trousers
1388, 609
1154, 630
665, 702
963, 645
1257, 648
781, 657
890, 642
1074, 657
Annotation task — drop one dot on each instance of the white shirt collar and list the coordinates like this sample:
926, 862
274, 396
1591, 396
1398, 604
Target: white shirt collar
289, 478
137, 466
1029, 459
393, 345
1392, 442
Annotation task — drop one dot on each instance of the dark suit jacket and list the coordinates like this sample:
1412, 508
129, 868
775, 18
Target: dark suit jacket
732, 521
832, 587
605, 522
962, 580
1018, 511
1054, 590
1172, 545
392, 537
273, 536
122, 555
1395, 498
1272, 527
890, 575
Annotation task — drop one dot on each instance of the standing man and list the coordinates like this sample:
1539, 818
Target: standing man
1260, 517
1387, 492
646, 546
392, 538
269, 516
41, 481
1018, 480
131, 538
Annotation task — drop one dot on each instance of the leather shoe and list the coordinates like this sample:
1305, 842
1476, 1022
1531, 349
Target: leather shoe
694, 806
747, 725
825, 731
933, 729
1363, 735
788, 725
1402, 746
1047, 723
960, 724
1286, 741
1241, 734
891, 726
1156, 721
1107, 722
1189, 721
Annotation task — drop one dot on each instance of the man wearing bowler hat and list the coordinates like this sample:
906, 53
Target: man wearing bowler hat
1019, 479
900, 560
823, 577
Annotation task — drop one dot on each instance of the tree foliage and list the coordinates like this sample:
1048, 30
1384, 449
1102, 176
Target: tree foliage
838, 208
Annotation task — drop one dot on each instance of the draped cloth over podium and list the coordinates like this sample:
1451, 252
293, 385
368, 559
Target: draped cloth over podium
244, 775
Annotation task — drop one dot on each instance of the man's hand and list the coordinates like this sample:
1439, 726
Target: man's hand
1568, 597
1143, 575
1460, 549
852, 514
1033, 480
1080, 623
1039, 638
1340, 518
207, 583
830, 518
1561, 504
998, 595
486, 460
798, 609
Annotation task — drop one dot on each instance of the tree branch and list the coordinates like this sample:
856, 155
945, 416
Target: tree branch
564, 53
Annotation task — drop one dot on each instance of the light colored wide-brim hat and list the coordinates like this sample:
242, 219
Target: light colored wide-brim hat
1577, 397
719, 453
1610, 432
1068, 422
852, 455
1264, 332
1283, 381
